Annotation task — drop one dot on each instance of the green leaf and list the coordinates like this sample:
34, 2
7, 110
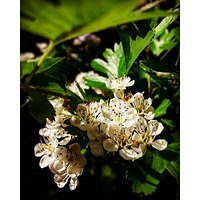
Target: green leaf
98, 82
152, 171
136, 47
69, 19
168, 40
100, 65
162, 26
173, 167
49, 63
51, 75
40, 107
115, 66
162, 108
145, 188
26, 67
168, 122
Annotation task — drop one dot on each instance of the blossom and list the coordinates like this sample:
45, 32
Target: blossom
68, 165
45, 151
61, 113
118, 112
54, 129
147, 131
119, 85
141, 105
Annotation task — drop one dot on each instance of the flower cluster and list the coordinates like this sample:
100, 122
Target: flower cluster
66, 163
123, 124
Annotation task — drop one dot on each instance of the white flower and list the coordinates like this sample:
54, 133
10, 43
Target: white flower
46, 150
68, 165
54, 129
147, 131
118, 112
27, 56
119, 85
143, 106
131, 153
62, 114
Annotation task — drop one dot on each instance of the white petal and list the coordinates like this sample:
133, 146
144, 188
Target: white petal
119, 93
75, 148
59, 166
82, 110
155, 127
96, 148
61, 153
65, 140
45, 161
39, 150
160, 144
75, 121
74, 170
149, 113
81, 160
159, 129
73, 183
83, 126
147, 103
61, 180
110, 145
130, 154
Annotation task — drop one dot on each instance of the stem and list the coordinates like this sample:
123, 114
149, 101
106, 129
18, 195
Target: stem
149, 84
43, 57
46, 53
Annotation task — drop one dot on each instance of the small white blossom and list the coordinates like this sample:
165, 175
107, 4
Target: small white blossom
119, 85
45, 151
147, 131
143, 106
68, 165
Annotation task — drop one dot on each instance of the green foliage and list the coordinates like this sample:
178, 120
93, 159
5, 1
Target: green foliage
162, 108
28, 66
115, 66
96, 81
168, 40
147, 175
67, 21
162, 26
40, 107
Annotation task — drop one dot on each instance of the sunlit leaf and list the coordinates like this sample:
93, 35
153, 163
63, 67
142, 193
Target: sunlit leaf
165, 23
166, 42
69, 19
162, 108
137, 46
96, 82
